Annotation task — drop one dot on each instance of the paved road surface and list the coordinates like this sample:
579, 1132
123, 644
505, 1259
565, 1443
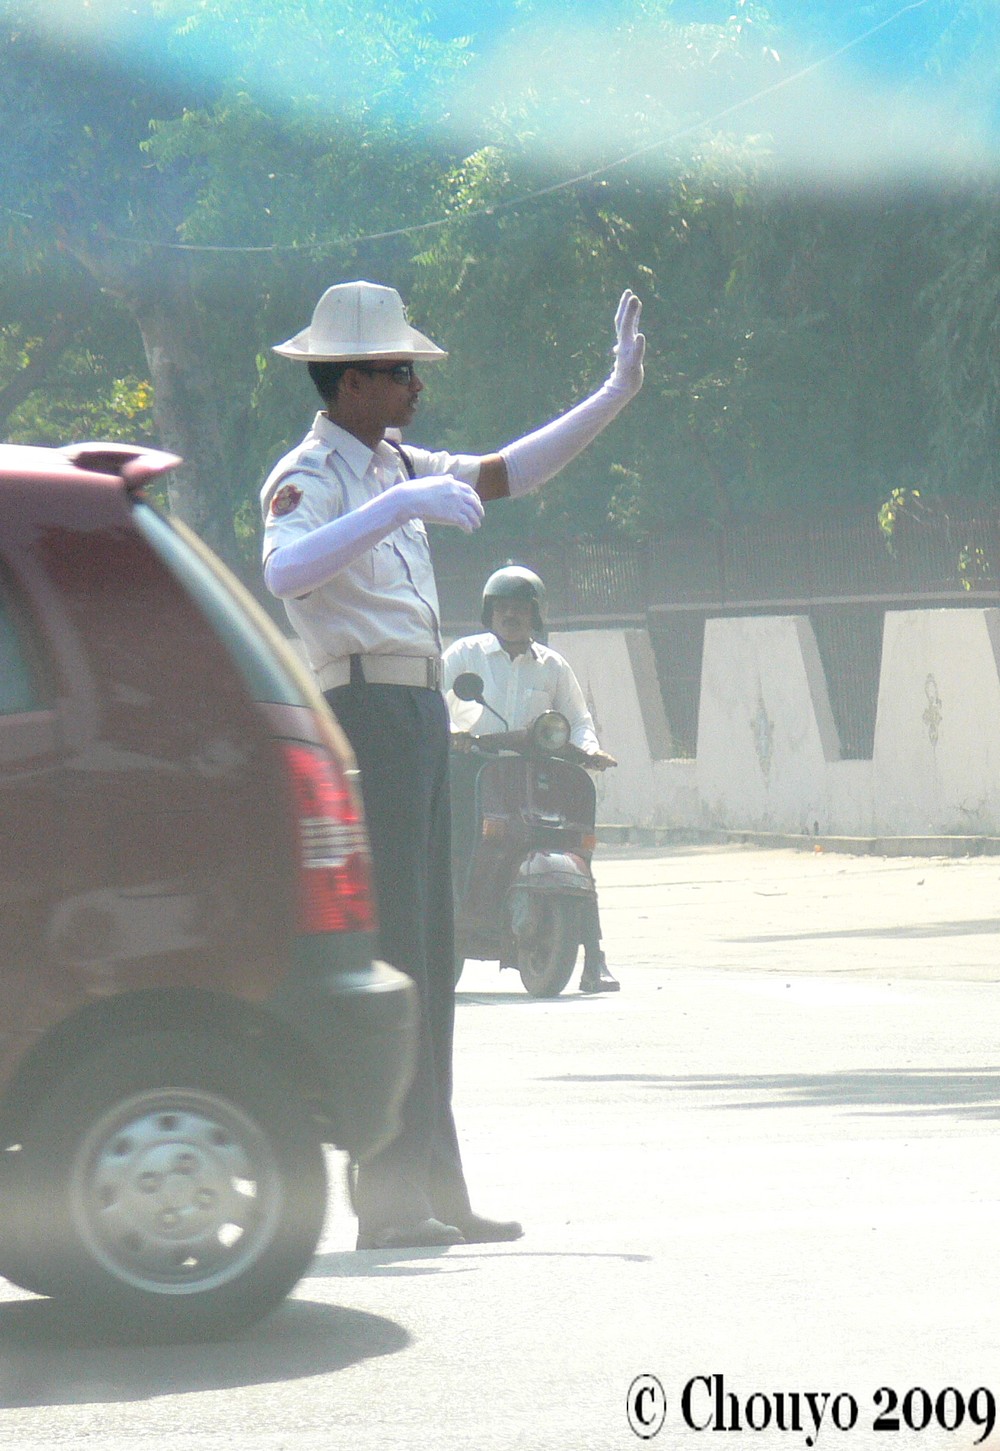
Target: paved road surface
773, 1157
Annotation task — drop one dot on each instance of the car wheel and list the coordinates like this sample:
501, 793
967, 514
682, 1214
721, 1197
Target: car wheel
180, 1188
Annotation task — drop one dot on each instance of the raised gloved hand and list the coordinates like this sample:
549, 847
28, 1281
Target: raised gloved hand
630, 347
532, 460
440, 499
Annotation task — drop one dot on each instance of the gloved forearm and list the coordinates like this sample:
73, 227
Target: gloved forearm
533, 460
304, 564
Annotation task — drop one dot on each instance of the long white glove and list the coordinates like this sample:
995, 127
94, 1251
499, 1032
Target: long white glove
533, 460
304, 564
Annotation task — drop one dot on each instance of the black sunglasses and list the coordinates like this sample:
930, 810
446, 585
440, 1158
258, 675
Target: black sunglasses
398, 372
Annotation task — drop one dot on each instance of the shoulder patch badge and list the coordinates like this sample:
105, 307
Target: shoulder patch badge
285, 500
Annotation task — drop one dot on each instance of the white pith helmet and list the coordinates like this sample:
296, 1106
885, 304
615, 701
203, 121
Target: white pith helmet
355, 321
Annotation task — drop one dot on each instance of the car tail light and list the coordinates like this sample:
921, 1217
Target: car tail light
335, 889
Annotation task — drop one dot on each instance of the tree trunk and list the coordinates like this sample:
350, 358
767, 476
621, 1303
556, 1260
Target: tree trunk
186, 405
187, 399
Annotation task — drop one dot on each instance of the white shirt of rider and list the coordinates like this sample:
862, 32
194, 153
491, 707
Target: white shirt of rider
519, 689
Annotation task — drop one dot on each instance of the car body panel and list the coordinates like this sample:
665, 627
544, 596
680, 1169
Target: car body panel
149, 840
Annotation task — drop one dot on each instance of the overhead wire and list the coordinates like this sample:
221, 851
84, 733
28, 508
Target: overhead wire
567, 183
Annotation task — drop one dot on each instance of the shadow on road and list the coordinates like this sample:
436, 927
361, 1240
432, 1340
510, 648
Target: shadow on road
984, 927
44, 1361
384, 1264
476, 998
972, 1093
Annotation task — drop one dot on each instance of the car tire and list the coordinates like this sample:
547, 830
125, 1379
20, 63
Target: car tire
178, 1189
16, 1262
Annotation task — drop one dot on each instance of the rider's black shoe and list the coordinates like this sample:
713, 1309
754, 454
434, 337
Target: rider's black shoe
596, 978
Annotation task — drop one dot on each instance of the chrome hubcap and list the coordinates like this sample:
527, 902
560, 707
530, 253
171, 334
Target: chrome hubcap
176, 1191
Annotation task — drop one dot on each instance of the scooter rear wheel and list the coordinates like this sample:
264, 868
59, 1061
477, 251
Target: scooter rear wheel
546, 959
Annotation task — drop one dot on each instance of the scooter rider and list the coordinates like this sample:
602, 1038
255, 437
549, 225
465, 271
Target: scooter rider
522, 678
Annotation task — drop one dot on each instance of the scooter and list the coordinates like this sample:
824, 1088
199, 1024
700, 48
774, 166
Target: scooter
523, 811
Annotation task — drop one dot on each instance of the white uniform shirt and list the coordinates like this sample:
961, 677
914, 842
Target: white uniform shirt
384, 602
537, 680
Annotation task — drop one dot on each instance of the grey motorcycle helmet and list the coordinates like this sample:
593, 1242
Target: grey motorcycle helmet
514, 582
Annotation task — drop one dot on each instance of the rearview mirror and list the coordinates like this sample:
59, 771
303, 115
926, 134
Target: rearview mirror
469, 686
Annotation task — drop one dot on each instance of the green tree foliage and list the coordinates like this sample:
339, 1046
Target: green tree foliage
960, 353
961, 300
194, 172
171, 124
530, 289
82, 398
784, 321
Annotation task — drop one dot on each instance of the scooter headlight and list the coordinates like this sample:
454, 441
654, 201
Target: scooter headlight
550, 732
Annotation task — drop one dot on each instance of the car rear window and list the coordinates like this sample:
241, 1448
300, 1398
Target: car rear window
22, 686
254, 641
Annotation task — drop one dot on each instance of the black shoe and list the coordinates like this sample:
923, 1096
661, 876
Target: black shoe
425, 1234
477, 1229
596, 978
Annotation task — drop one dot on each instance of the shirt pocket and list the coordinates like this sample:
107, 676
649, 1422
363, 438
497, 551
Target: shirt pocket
402, 554
384, 565
535, 703
414, 532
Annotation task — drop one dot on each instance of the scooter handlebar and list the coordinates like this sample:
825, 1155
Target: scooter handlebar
491, 745
520, 742
593, 760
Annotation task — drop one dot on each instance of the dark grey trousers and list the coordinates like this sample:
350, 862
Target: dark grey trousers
400, 738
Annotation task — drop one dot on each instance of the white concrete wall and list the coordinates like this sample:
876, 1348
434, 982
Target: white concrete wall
768, 756
936, 759
617, 673
765, 728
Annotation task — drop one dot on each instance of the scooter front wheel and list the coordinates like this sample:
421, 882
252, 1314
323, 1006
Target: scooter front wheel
546, 959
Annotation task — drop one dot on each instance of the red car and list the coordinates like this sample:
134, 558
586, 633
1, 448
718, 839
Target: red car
189, 1005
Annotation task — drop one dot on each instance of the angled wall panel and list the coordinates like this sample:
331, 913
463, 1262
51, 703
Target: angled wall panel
766, 733
937, 733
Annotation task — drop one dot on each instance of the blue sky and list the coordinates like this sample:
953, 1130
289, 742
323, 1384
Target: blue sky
913, 91
898, 102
